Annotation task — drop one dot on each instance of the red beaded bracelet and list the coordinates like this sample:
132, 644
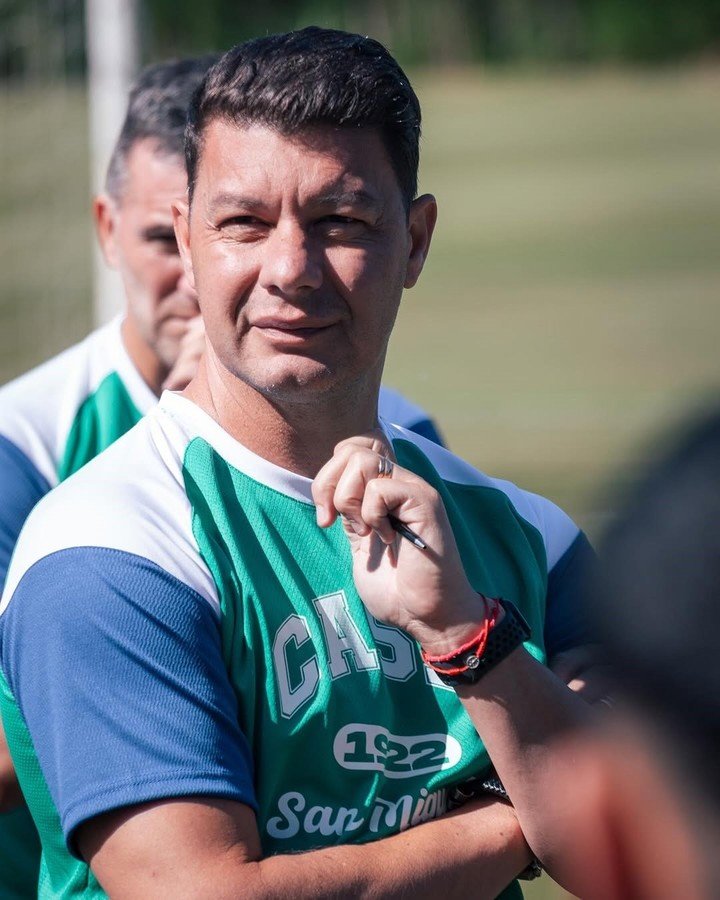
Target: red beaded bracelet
474, 648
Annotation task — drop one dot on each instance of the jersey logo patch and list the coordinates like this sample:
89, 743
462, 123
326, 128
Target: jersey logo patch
373, 748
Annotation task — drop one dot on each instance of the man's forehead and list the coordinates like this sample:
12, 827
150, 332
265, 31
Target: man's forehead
153, 175
339, 165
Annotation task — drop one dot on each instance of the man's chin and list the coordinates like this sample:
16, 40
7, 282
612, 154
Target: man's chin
297, 384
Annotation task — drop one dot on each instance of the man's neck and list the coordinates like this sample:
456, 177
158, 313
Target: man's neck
151, 369
298, 436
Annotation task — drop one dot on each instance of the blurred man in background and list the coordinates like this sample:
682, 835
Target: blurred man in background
647, 794
57, 417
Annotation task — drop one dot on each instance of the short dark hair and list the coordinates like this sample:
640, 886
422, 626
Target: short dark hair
656, 601
316, 76
157, 108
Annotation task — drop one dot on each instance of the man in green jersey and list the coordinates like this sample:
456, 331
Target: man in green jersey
251, 649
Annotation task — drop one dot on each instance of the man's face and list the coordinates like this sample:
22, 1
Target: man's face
137, 237
299, 248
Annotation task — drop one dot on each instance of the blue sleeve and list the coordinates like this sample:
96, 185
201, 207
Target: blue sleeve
21, 486
566, 623
426, 428
117, 669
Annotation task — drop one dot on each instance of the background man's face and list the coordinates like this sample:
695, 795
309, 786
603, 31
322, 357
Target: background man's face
138, 239
299, 249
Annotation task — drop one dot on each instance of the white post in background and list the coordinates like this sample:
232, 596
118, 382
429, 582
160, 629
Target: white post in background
111, 33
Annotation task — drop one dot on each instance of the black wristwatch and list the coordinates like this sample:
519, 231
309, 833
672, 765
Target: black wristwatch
502, 640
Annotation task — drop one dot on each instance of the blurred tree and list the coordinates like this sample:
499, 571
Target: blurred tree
458, 31
41, 37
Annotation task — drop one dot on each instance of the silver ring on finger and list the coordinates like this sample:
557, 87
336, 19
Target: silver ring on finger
385, 467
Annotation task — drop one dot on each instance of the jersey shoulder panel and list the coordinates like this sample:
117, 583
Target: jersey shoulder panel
21, 486
38, 409
129, 498
557, 529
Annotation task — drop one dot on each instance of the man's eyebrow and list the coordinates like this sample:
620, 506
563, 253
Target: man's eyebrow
349, 198
228, 198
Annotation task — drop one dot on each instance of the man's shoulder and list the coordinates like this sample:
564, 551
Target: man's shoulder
91, 349
556, 528
130, 499
37, 409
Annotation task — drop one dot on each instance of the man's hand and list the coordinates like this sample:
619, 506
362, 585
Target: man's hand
192, 347
424, 592
10, 795
584, 671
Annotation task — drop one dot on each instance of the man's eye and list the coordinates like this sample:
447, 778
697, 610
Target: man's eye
166, 243
341, 226
242, 228
241, 222
341, 220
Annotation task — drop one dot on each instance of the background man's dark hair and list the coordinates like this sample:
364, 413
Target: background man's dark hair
291, 82
157, 108
657, 606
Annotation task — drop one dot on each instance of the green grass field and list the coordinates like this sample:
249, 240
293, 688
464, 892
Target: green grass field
570, 308
571, 302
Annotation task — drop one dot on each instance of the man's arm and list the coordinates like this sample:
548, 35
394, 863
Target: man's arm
520, 707
150, 775
211, 848
21, 486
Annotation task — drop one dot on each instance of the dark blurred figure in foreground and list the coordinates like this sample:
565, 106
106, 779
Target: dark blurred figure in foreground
649, 800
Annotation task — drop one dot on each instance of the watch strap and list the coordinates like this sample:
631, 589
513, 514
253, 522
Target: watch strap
506, 636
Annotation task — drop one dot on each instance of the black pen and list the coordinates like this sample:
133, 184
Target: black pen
406, 532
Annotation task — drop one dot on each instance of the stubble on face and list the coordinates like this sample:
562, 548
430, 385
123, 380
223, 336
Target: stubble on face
299, 248
159, 301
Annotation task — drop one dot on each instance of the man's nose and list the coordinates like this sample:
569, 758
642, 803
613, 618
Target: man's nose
291, 265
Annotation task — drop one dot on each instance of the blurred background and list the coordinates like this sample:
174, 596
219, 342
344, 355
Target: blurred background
569, 313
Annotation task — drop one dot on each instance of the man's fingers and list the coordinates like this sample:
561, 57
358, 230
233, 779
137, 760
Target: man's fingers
180, 375
373, 440
366, 487
360, 468
192, 347
381, 498
326, 482
585, 672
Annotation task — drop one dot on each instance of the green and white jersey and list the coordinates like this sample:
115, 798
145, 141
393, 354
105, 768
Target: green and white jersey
175, 623
63, 413
52, 421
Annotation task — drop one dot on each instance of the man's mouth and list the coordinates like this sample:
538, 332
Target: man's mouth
292, 329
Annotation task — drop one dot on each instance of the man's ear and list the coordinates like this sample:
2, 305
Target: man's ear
105, 214
421, 223
181, 223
